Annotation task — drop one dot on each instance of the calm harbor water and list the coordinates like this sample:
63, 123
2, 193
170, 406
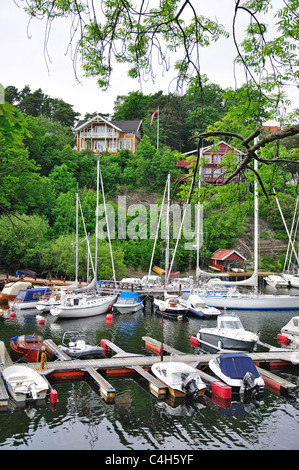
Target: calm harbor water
82, 420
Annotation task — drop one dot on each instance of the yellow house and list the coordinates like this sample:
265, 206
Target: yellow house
100, 135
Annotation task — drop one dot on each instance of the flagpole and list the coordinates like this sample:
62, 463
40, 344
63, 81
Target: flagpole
158, 128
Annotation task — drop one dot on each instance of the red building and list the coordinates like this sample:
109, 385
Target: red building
225, 260
213, 170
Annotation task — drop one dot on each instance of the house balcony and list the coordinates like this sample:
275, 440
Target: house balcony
97, 135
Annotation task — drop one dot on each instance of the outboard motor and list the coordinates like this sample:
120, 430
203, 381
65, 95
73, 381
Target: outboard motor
249, 381
190, 387
248, 386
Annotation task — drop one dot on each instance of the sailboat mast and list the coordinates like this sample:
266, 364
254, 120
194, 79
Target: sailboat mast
77, 247
108, 229
256, 227
167, 231
97, 224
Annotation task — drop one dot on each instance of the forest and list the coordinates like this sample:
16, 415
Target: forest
41, 174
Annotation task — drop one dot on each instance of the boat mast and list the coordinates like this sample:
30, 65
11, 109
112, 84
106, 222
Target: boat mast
76, 275
108, 230
167, 231
97, 225
256, 228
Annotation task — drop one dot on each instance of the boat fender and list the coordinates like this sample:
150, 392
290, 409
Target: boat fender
53, 396
12, 314
281, 339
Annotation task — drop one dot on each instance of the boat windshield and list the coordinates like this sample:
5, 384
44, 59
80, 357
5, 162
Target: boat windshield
231, 324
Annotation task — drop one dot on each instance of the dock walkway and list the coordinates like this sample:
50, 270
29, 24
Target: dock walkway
124, 361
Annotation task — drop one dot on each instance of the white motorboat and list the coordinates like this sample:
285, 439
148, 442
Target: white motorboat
28, 298
181, 379
197, 306
290, 332
75, 346
83, 305
229, 334
238, 371
24, 383
292, 279
274, 280
171, 307
50, 301
128, 301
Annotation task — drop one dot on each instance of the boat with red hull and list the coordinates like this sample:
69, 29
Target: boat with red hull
29, 348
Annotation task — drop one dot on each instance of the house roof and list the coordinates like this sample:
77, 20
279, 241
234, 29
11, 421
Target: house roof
223, 254
207, 149
124, 126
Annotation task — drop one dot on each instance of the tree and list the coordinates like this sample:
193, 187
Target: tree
122, 32
19, 174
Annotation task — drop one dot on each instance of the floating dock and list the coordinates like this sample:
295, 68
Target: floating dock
124, 364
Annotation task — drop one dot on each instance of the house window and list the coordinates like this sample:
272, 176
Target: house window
125, 144
217, 159
99, 130
99, 146
217, 173
113, 146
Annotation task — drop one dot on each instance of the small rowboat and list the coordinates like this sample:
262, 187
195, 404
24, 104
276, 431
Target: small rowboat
29, 348
24, 383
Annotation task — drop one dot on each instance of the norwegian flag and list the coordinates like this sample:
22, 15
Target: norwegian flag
154, 114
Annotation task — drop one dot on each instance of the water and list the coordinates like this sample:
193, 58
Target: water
82, 420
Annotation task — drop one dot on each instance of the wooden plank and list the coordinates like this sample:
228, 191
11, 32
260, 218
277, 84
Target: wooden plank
4, 397
157, 387
275, 381
105, 388
5, 358
158, 344
56, 349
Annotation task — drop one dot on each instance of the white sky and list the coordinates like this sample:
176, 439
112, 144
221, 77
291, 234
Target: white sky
23, 63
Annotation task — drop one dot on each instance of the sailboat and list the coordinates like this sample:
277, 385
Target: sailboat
86, 301
226, 295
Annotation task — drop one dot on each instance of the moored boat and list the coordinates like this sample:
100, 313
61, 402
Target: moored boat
274, 280
171, 307
50, 301
229, 334
11, 290
75, 346
181, 379
28, 298
238, 371
199, 308
289, 334
128, 301
83, 305
24, 383
30, 347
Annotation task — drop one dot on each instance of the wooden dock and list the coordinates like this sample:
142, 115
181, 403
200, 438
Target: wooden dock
123, 363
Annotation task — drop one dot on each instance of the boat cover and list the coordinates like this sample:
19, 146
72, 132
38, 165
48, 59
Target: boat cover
235, 365
32, 294
130, 295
